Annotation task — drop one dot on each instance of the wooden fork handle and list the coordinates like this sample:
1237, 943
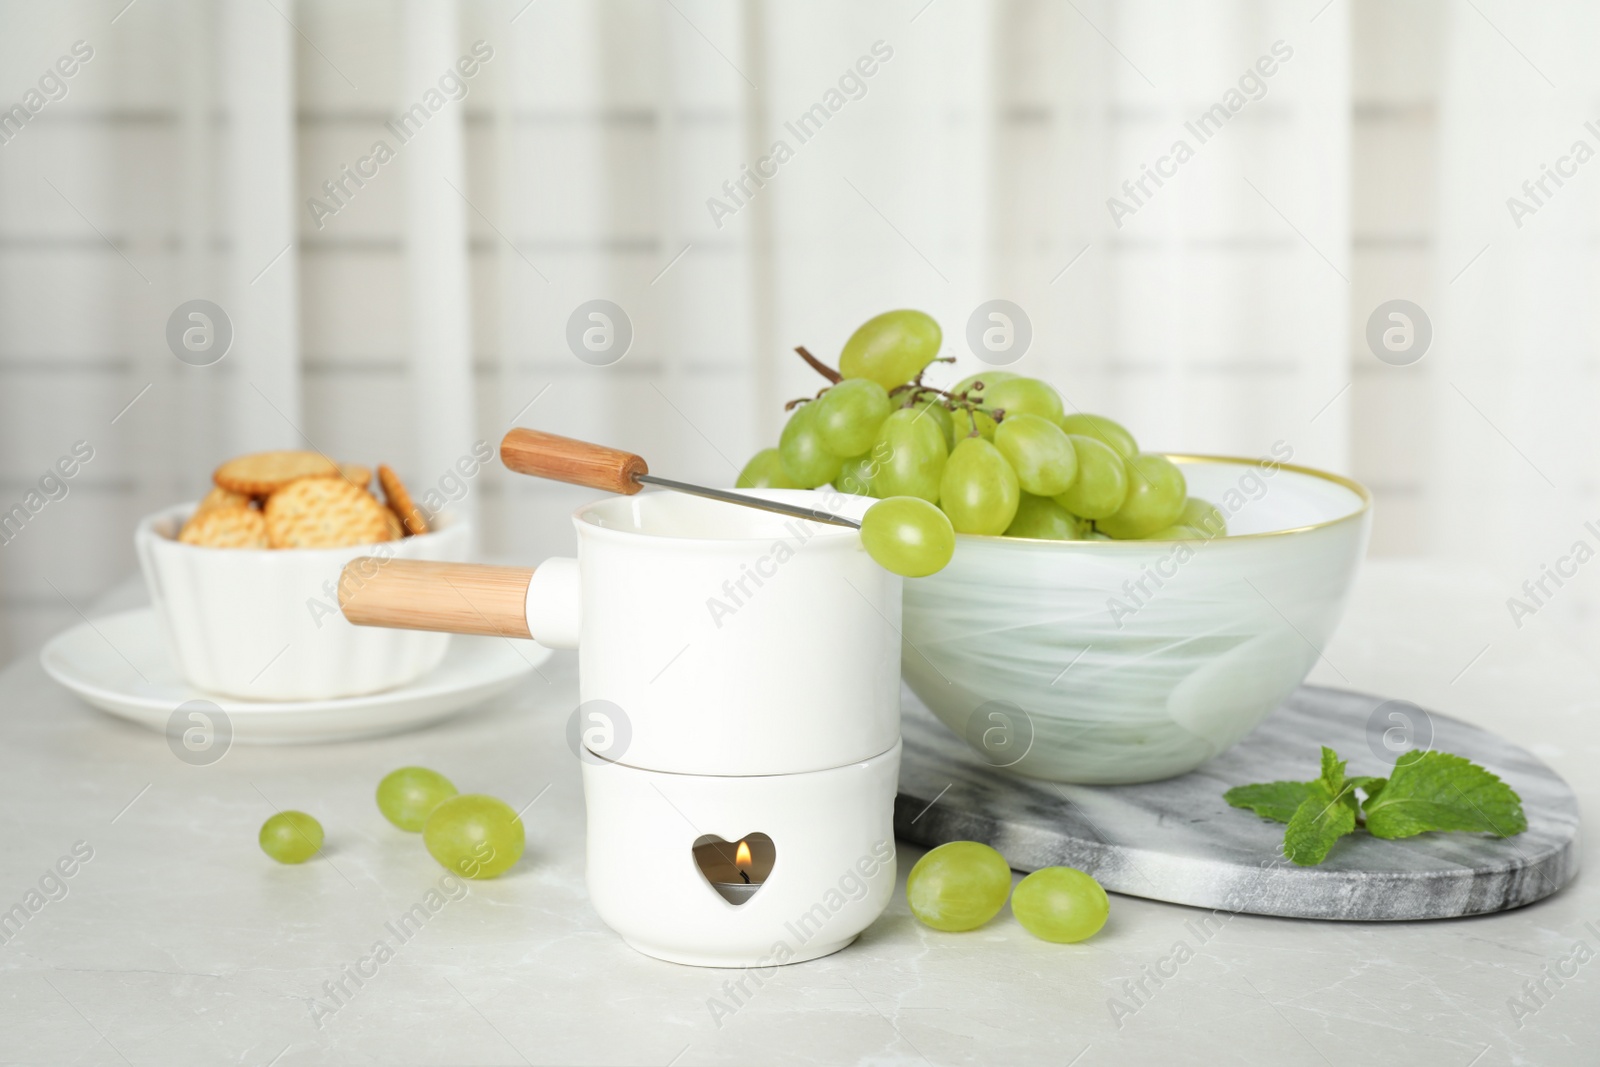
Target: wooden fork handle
561, 459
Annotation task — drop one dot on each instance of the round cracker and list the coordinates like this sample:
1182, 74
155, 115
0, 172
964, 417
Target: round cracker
231, 526
261, 473
322, 512
400, 502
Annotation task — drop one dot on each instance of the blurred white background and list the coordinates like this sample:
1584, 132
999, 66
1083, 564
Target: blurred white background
1227, 312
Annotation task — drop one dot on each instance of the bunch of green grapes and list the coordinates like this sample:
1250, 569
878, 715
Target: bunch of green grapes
996, 454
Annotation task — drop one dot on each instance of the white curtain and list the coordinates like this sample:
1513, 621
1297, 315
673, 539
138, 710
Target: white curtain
257, 195
426, 307
1512, 388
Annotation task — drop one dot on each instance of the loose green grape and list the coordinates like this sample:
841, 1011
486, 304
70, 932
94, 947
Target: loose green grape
908, 536
1042, 456
1060, 904
910, 453
979, 489
963, 419
931, 407
1102, 482
1042, 519
855, 475
975, 384
407, 796
1101, 429
474, 835
291, 837
849, 414
1096, 535
806, 460
958, 886
765, 471
1024, 396
1205, 517
892, 348
1156, 494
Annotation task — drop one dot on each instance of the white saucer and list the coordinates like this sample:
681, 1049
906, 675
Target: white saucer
120, 664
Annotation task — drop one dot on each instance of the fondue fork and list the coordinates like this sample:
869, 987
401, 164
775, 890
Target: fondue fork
562, 459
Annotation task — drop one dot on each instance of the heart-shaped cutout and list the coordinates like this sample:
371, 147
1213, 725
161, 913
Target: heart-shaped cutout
735, 869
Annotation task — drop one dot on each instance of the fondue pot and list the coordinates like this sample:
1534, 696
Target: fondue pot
745, 667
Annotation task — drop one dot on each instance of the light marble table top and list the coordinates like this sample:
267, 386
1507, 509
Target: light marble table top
179, 943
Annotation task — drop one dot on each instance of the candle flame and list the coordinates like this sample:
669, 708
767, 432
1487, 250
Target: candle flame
741, 859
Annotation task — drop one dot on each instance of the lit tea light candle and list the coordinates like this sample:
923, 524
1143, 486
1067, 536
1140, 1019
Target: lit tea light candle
737, 892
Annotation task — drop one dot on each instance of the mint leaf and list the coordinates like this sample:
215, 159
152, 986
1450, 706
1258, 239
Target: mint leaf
1332, 778
1320, 820
1326, 814
1270, 800
1437, 791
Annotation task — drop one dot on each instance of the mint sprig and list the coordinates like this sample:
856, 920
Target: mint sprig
1426, 791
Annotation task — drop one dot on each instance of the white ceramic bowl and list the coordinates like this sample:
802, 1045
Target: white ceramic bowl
263, 624
1132, 661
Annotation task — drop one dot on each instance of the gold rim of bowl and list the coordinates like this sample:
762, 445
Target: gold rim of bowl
1351, 484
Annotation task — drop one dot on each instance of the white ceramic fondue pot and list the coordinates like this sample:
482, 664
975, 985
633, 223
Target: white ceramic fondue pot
748, 665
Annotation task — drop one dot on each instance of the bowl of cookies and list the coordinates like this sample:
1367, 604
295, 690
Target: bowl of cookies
246, 581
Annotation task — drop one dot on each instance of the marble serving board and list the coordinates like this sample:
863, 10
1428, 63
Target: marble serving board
1179, 841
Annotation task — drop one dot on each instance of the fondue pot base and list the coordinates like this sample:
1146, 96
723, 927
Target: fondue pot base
823, 870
